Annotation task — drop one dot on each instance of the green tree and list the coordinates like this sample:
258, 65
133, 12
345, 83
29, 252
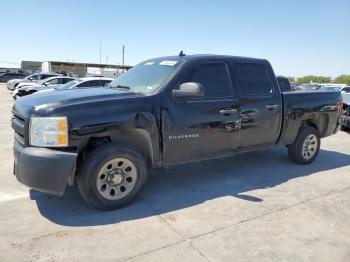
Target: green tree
291, 79
314, 79
342, 79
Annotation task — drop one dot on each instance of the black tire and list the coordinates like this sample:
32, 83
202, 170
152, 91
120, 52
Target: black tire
30, 93
295, 150
344, 128
95, 161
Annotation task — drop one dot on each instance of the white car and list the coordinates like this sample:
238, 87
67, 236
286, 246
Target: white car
27, 88
87, 82
12, 84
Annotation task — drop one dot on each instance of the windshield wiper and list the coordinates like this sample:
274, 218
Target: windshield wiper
123, 87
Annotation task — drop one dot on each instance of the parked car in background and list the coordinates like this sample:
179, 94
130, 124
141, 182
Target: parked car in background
27, 88
345, 89
9, 76
284, 84
87, 82
314, 87
12, 84
345, 122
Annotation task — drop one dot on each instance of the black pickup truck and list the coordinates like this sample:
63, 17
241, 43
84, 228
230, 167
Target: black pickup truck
164, 111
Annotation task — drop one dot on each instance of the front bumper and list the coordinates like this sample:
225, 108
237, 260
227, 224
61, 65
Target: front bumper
345, 121
15, 93
10, 86
43, 169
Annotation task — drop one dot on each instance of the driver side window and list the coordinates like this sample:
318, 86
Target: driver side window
34, 77
214, 79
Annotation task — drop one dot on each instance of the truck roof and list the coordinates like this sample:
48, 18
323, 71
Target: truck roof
206, 56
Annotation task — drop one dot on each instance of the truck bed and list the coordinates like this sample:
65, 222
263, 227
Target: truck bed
321, 109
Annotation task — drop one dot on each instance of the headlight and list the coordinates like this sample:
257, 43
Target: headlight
48, 131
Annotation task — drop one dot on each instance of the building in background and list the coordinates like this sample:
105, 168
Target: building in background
31, 67
83, 69
68, 68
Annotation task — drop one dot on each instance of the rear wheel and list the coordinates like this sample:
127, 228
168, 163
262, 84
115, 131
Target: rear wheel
305, 146
111, 176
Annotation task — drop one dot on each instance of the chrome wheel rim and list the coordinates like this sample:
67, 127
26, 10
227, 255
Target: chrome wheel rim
116, 179
309, 147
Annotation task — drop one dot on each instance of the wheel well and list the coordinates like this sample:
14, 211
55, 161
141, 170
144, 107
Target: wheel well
137, 139
310, 123
320, 123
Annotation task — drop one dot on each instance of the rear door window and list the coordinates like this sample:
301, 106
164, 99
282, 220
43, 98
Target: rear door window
105, 82
35, 77
55, 81
65, 80
252, 79
92, 83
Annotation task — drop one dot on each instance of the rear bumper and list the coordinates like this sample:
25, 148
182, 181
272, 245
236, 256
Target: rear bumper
43, 169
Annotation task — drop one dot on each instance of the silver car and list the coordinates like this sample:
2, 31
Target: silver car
27, 88
87, 82
12, 84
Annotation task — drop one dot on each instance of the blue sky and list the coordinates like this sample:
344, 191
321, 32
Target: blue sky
299, 37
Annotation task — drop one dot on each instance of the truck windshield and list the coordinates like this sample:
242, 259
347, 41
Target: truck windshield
147, 76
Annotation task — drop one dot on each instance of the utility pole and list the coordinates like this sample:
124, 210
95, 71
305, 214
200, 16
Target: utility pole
100, 57
123, 57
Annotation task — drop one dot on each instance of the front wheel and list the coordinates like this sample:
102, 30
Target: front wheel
305, 146
111, 176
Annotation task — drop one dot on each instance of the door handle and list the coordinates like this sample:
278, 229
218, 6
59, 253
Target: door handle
228, 111
272, 107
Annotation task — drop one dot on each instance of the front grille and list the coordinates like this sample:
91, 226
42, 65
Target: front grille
19, 126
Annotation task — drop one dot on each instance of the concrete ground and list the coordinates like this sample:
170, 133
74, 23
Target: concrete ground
253, 207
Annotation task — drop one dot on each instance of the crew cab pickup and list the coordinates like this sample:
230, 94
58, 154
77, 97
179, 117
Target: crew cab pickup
164, 111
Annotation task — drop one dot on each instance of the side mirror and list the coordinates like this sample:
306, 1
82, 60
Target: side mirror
189, 90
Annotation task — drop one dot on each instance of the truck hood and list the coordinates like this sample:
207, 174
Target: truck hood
49, 100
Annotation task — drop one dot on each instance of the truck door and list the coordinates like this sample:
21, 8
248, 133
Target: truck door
205, 127
260, 104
